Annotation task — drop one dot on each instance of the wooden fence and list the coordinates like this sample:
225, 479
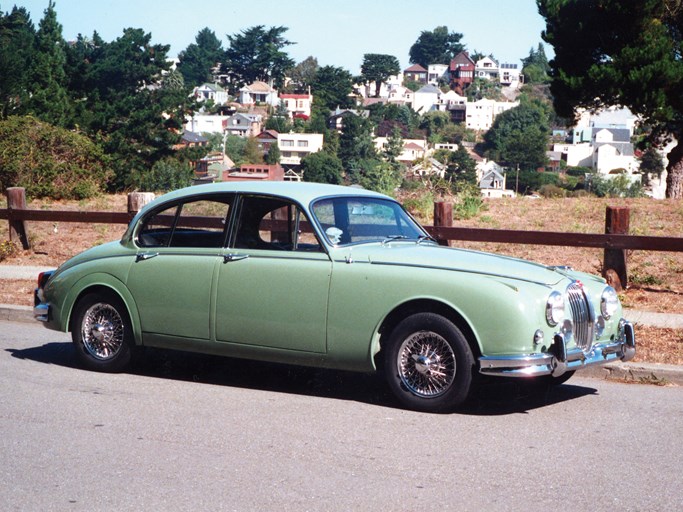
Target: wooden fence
615, 242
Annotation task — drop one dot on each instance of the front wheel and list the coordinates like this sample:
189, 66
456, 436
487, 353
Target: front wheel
428, 363
102, 333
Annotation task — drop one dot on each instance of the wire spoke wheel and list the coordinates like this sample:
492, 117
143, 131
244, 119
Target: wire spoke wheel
426, 364
102, 331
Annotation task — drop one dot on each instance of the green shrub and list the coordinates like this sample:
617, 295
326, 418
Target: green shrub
551, 190
467, 206
49, 161
167, 174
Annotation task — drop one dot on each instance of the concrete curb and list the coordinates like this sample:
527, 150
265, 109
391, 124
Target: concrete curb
638, 373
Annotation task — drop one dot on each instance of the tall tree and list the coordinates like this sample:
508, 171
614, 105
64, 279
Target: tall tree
535, 67
437, 46
48, 98
621, 52
332, 88
378, 67
199, 58
519, 136
303, 74
257, 54
17, 35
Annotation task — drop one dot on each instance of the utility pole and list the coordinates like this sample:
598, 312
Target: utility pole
517, 182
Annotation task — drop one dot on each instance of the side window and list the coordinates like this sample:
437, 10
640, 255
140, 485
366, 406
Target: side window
273, 224
199, 223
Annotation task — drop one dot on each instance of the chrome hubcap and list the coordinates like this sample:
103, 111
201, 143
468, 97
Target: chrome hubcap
102, 331
426, 364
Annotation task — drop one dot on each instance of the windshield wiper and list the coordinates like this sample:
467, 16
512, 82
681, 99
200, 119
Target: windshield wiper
422, 238
392, 238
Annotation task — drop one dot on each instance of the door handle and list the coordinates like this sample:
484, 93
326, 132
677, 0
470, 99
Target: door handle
234, 257
145, 256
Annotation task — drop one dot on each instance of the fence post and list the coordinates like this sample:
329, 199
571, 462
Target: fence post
16, 200
443, 217
136, 200
614, 269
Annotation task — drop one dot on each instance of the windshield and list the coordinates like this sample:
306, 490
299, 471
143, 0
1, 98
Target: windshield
352, 220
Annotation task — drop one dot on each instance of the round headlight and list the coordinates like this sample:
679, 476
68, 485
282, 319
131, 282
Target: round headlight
609, 302
554, 308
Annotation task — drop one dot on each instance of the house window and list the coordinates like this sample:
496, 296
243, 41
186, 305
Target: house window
287, 154
302, 143
286, 143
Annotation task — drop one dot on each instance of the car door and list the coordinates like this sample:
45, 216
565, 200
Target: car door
171, 280
273, 283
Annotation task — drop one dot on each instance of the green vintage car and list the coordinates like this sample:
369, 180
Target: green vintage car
328, 276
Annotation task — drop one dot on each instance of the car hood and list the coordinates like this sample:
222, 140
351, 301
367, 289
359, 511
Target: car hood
430, 255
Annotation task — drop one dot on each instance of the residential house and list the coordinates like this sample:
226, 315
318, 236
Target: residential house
416, 73
213, 165
191, 139
613, 150
480, 114
251, 172
413, 149
336, 120
510, 75
244, 125
486, 68
297, 105
258, 93
206, 123
491, 178
213, 92
426, 98
425, 168
455, 105
461, 71
266, 139
295, 146
437, 74
400, 95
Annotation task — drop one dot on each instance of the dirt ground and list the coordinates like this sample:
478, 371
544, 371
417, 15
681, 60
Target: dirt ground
656, 278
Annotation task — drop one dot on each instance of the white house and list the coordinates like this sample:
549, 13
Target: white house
213, 92
426, 98
413, 149
295, 146
437, 73
486, 68
510, 75
297, 105
206, 123
258, 92
480, 114
400, 95
491, 178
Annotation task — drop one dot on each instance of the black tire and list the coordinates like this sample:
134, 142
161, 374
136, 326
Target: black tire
428, 363
102, 333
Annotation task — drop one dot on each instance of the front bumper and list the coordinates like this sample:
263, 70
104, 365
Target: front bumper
560, 360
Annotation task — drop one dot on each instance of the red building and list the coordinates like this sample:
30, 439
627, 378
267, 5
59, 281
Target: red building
462, 72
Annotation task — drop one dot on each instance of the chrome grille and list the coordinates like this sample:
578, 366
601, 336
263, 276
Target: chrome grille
582, 316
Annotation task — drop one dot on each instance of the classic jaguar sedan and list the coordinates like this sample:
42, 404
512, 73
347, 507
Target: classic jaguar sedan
333, 277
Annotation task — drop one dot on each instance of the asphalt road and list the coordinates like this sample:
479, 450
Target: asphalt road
188, 432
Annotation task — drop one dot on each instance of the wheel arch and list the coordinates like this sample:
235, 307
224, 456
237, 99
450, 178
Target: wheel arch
103, 283
427, 305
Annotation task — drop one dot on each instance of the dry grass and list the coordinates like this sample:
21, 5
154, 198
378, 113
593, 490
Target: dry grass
656, 277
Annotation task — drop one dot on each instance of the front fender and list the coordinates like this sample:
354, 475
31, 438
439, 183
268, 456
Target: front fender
100, 280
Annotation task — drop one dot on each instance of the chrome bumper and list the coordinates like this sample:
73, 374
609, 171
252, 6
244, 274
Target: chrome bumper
41, 312
559, 360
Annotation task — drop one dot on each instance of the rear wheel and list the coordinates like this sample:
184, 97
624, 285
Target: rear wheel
428, 363
102, 333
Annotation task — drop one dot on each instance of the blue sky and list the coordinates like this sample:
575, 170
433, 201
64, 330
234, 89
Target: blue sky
336, 32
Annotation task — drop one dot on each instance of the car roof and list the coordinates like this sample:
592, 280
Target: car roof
302, 192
